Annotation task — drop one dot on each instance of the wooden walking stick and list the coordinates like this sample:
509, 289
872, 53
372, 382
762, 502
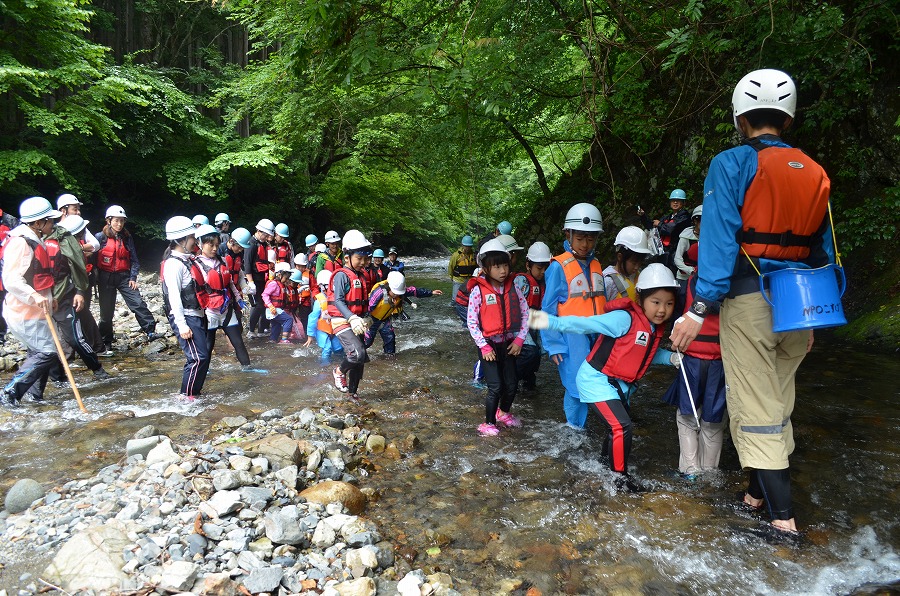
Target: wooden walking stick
62, 358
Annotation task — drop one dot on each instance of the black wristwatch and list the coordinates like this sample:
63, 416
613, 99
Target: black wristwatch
699, 308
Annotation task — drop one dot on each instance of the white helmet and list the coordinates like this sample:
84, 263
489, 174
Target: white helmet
320, 247
323, 277
539, 253
37, 208
767, 88
509, 242
492, 245
583, 217
301, 260
332, 236
698, 212
266, 226
634, 239
179, 227
397, 283
67, 199
282, 267
205, 230
655, 275
353, 240
74, 224
115, 211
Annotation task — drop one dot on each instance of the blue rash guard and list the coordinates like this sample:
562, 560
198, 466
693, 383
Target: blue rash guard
593, 385
730, 175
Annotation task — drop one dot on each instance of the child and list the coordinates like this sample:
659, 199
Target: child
386, 301
628, 345
631, 252
393, 263
218, 294
294, 291
301, 264
531, 285
495, 318
274, 297
179, 289
347, 305
329, 255
378, 267
702, 361
318, 324
284, 250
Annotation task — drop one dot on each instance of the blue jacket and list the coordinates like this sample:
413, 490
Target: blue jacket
729, 177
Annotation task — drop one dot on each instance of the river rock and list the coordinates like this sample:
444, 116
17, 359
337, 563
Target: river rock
22, 494
375, 444
142, 446
359, 560
324, 536
225, 502
91, 560
263, 579
145, 432
240, 462
280, 450
364, 586
288, 476
409, 585
220, 584
283, 527
226, 479
256, 497
332, 491
163, 453
178, 575
233, 421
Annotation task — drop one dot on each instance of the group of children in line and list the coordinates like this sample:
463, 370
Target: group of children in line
601, 327
322, 295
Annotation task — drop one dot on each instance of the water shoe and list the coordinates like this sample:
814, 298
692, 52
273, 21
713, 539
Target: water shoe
508, 419
488, 430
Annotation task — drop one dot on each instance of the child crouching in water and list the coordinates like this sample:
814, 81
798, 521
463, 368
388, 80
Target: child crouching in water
495, 318
274, 297
385, 302
628, 345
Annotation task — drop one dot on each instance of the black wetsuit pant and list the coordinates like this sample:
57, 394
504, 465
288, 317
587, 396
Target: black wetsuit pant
355, 358
616, 414
501, 380
775, 487
258, 322
109, 284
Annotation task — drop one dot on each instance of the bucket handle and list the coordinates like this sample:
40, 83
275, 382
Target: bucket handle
762, 285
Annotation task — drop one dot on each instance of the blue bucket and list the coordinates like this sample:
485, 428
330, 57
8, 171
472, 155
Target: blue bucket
805, 298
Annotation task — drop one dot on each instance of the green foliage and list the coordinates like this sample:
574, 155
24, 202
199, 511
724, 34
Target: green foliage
872, 225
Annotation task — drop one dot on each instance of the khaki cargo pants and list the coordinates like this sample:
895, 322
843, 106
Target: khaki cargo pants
760, 367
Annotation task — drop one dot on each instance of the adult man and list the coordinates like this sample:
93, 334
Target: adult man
765, 208
28, 279
670, 226
7, 222
574, 286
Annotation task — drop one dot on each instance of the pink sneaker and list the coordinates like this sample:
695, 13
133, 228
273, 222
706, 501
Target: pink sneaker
508, 419
285, 342
488, 430
340, 380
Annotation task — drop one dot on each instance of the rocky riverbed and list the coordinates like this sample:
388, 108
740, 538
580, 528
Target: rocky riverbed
266, 506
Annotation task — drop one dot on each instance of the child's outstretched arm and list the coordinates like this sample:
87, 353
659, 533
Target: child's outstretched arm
611, 324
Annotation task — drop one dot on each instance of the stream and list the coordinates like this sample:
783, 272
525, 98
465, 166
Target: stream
535, 504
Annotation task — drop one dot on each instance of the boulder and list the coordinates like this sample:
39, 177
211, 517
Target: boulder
91, 560
332, 491
22, 494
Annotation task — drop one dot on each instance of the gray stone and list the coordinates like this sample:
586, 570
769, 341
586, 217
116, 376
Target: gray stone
240, 462
384, 551
359, 560
91, 559
147, 431
225, 479
272, 414
130, 511
280, 450
290, 581
213, 531
256, 497
248, 561
362, 539
324, 536
163, 454
233, 421
314, 460
288, 476
143, 445
307, 417
283, 527
225, 502
196, 544
329, 471
22, 494
264, 579
179, 575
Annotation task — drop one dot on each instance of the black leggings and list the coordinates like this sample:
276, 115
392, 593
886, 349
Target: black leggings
233, 333
501, 380
775, 487
617, 444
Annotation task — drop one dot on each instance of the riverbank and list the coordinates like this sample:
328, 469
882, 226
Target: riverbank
269, 505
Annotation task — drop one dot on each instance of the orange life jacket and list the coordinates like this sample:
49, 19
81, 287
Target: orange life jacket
291, 296
785, 205
500, 313
462, 296
356, 298
535, 291
113, 256
305, 291
323, 324
627, 357
586, 297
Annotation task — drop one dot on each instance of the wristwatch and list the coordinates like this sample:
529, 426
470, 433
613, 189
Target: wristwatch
699, 308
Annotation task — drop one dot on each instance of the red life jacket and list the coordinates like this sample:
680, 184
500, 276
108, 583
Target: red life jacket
88, 261
284, 252
785, 205
535, 291
59, 264
235, 263
369, 273
462, 296
4, 229
627, 357
706, 345
40, 273
291, 296
333, 264
277, 300
356, 298
213, 285
499, 313
691, 255
261, 263
113, 256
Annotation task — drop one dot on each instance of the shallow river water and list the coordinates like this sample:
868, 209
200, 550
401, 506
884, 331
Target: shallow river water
536, 504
